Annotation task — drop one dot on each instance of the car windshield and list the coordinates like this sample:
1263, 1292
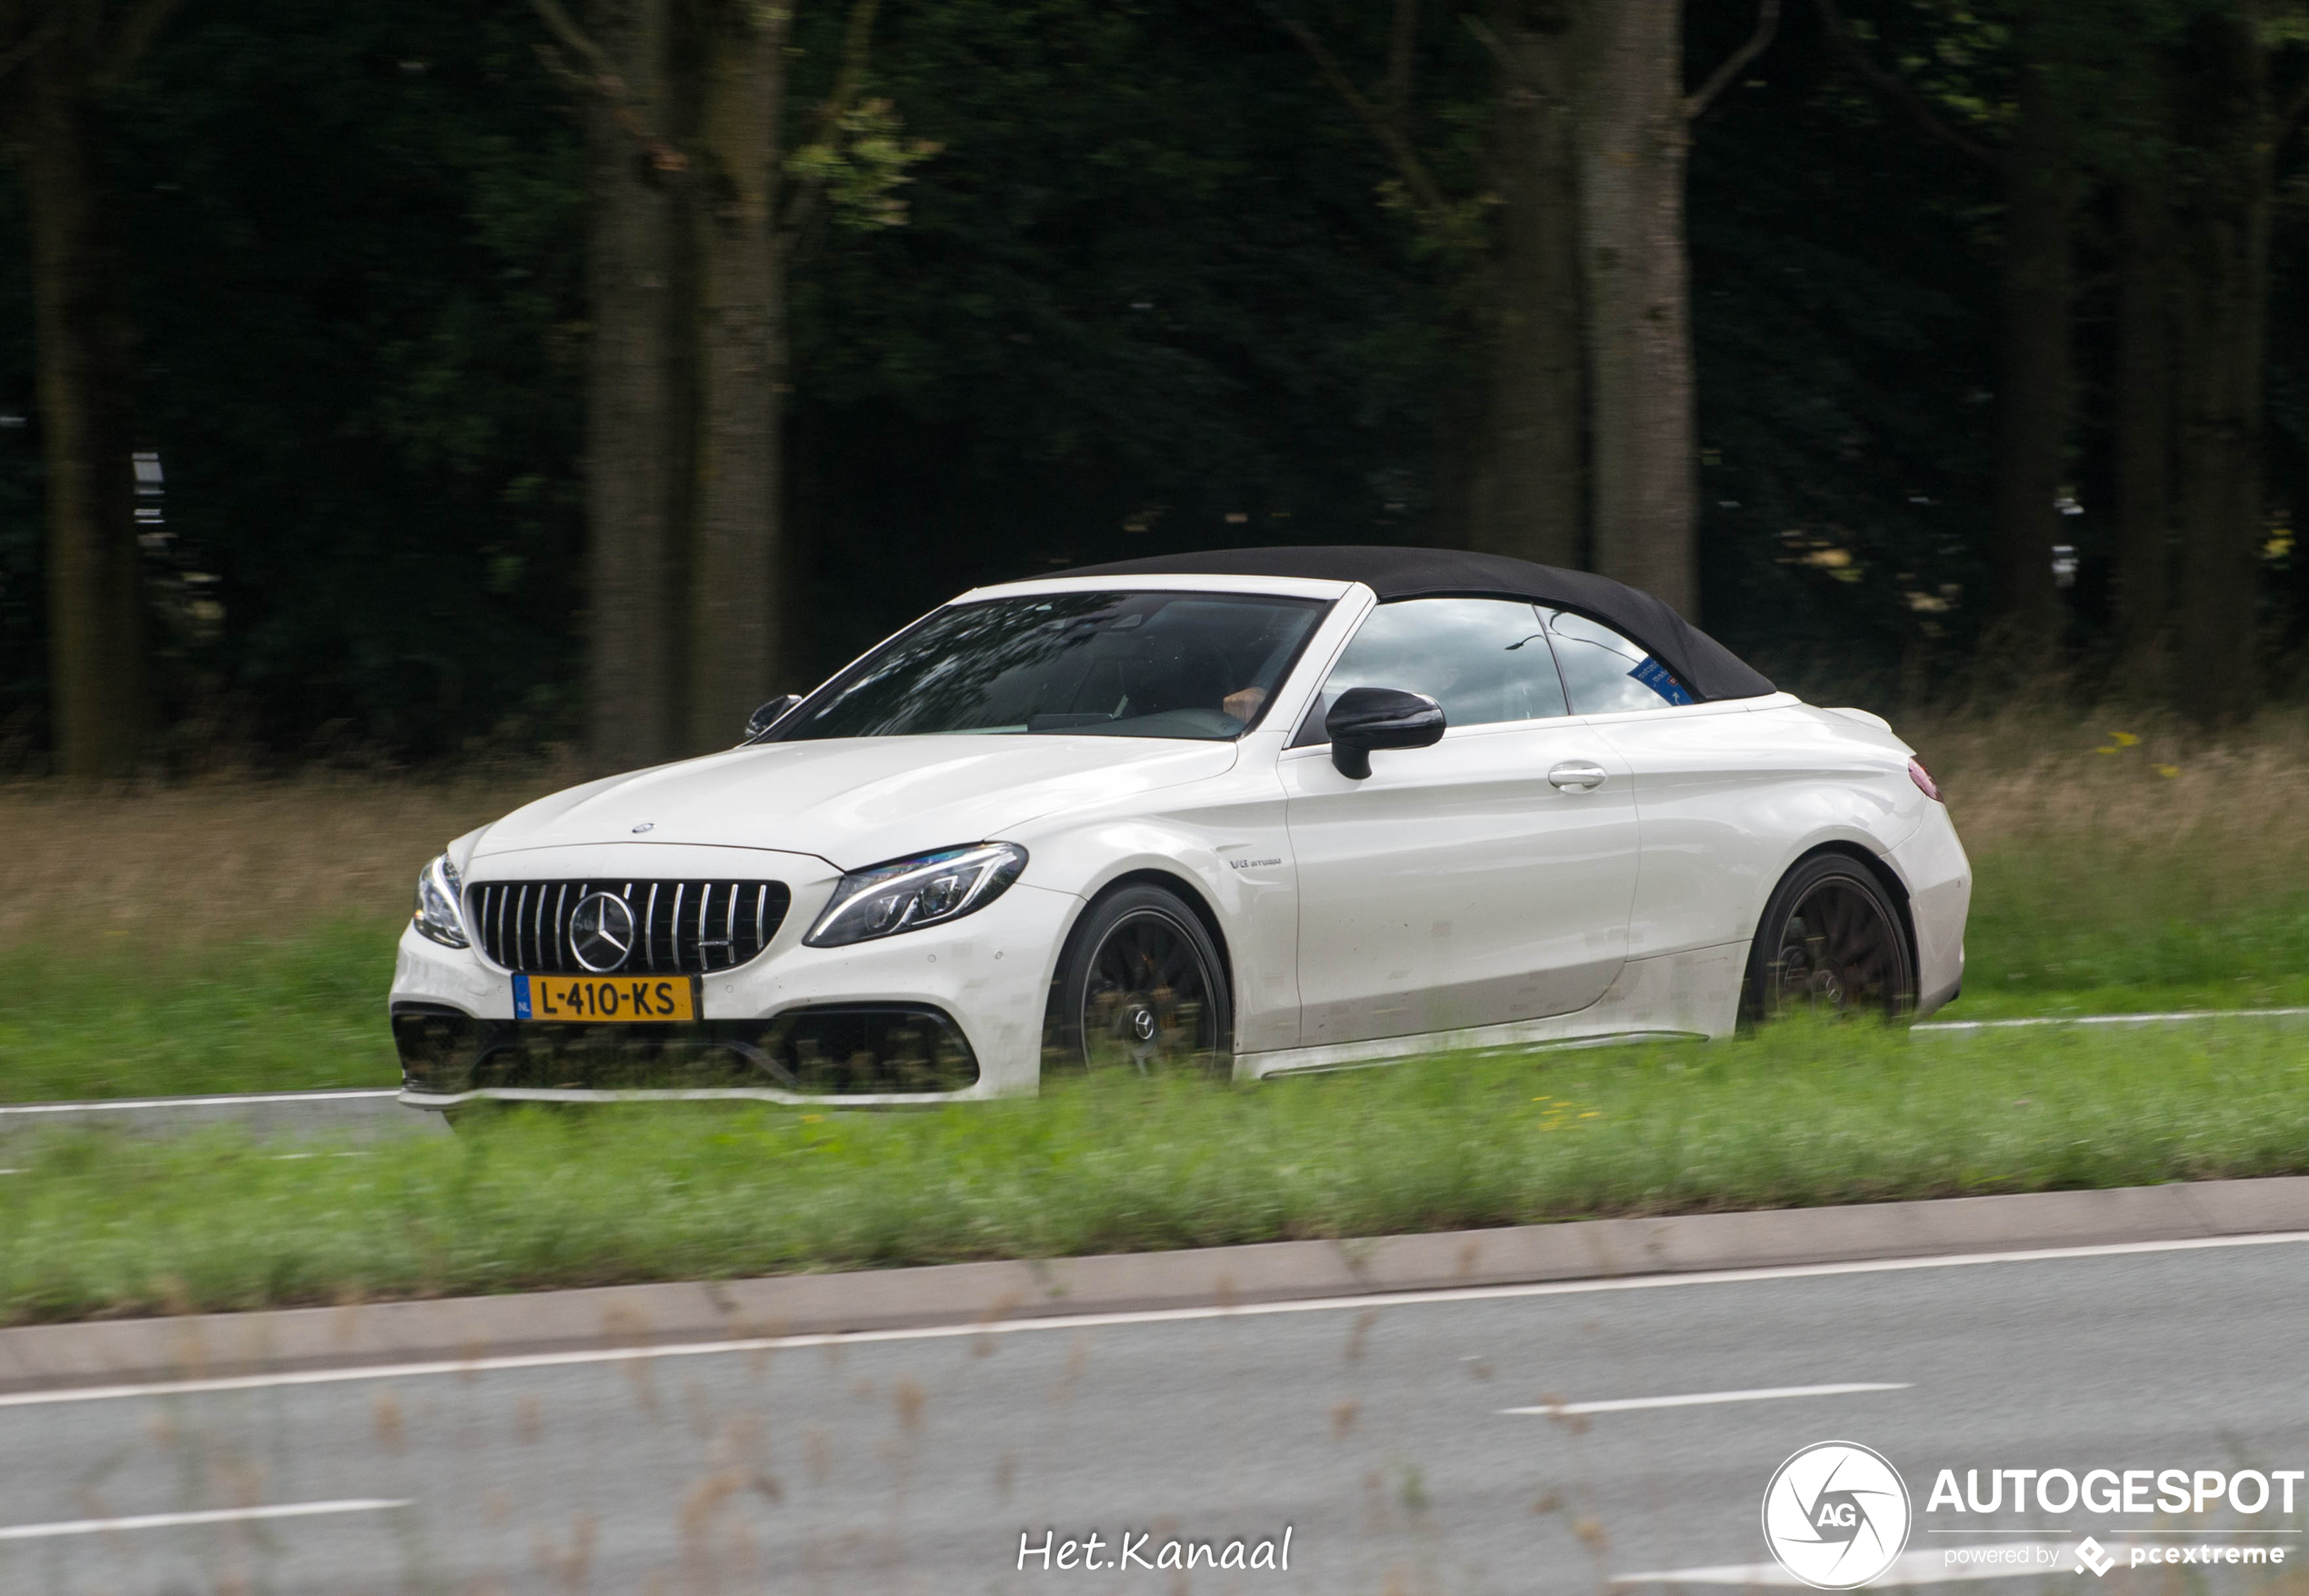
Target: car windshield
1112, 665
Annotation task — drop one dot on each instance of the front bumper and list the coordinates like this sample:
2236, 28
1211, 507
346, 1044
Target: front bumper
850, 1049
947, 1012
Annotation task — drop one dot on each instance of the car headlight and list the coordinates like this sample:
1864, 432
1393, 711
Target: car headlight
438, 915
907, 895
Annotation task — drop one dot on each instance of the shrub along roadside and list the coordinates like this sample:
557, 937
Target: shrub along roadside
91, 1225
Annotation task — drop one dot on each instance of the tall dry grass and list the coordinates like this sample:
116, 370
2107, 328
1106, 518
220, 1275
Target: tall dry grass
226, 860
2139, 776
2119, 803
2123, 794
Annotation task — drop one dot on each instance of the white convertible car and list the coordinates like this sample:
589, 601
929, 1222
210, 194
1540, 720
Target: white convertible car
1270, 809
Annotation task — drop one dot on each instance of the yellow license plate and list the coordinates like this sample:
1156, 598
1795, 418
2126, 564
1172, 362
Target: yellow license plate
622, 999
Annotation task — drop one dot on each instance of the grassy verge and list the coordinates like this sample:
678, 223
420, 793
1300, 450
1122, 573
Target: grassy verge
2125, 864
91, 1226
259, 1016
237, 935
288, 1013
221, 936
2023, 962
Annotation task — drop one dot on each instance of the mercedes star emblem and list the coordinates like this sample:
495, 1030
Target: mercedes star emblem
601, 931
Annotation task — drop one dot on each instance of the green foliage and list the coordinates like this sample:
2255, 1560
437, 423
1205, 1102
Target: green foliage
863, 164
1158, 288
1847, 362
358, 275
1143, 289
23, 632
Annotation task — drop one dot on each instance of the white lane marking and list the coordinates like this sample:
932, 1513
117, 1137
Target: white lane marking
1909, 1569
270, 1098
1702, 1398
2114, 1019
765, 1343
222, 1515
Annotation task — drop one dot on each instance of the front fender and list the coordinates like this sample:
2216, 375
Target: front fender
1236, 859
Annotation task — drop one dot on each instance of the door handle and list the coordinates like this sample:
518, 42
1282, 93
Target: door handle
1576, 776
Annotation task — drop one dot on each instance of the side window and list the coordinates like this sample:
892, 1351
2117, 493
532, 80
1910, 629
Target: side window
1484, 660
1605, 672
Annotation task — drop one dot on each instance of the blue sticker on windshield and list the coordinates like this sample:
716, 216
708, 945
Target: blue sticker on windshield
1654, 675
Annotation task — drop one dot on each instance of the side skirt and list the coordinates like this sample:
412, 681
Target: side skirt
1688, 996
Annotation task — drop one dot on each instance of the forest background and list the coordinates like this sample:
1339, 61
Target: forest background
389, 382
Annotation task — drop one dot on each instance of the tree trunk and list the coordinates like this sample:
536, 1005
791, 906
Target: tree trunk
2035, 385
2143, 419
2224, 294
1632, 140
1528, 496
636, 443
736, 592
85, 357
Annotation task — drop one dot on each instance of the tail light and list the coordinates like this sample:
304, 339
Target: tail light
1924, 785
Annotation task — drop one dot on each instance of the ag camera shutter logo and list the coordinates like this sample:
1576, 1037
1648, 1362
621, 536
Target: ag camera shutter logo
1836, 1515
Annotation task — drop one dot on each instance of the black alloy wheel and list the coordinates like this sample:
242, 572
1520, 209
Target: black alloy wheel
1142, 988
1830, 942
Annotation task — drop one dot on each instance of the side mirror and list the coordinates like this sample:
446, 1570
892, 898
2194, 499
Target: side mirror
1366, 718
769, 716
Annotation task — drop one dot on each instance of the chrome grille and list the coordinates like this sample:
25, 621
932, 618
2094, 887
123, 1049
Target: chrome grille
681, 927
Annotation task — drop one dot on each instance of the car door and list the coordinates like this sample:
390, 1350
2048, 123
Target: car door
1483, 880
1718, 789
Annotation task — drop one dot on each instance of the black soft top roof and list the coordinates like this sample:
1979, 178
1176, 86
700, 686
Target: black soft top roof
1704, 665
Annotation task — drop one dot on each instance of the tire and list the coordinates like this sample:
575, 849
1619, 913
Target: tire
1140, 987
1829, 942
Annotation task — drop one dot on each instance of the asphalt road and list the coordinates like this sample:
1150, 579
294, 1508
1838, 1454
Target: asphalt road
1375, 1434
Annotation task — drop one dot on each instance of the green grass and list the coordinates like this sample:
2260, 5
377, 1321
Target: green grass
252, 1016
534, 1199
2087, 932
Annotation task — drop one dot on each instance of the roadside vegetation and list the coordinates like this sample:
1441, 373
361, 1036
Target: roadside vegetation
237, 935
2124, 863
530, 1199
225, 935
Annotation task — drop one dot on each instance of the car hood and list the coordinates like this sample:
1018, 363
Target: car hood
855, 802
